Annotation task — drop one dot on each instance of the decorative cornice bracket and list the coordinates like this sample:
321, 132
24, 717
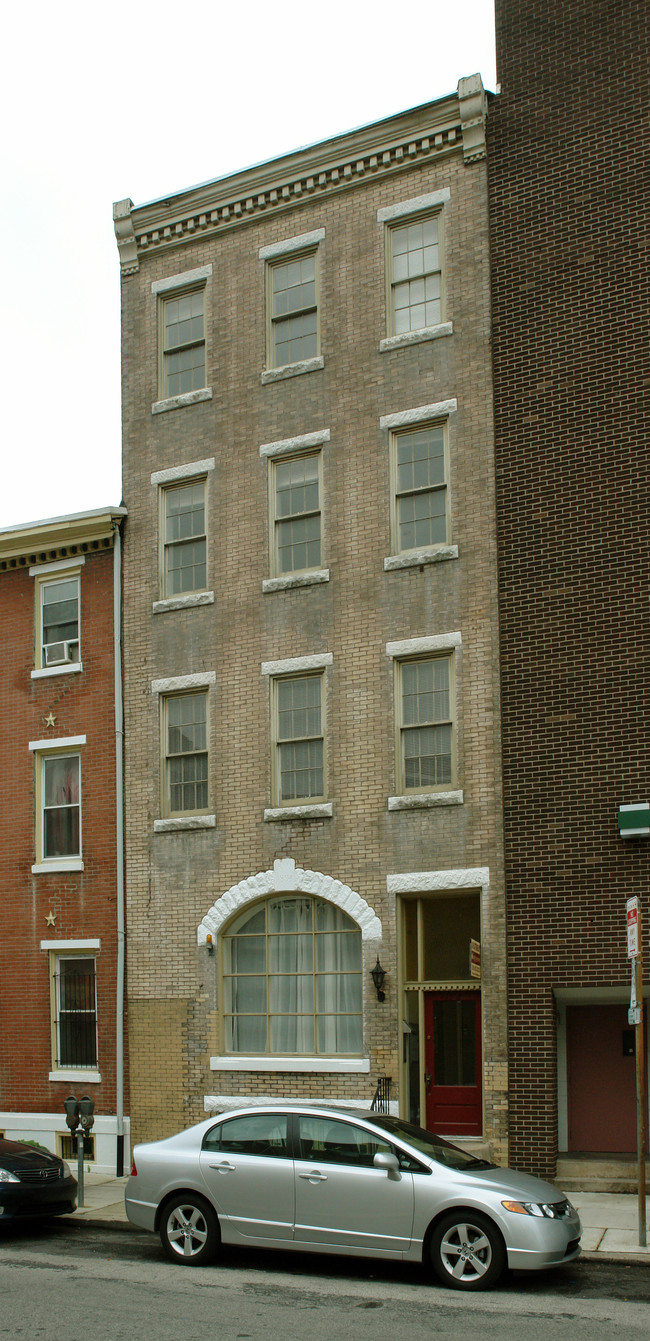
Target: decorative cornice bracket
127, 243
472, 100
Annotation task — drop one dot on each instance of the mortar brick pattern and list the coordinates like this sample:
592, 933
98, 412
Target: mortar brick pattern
569, 213
175, 879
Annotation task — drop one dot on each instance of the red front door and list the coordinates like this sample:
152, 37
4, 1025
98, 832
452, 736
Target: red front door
453, 1063
601, 1079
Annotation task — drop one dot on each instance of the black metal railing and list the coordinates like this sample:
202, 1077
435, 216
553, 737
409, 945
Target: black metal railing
381, 1100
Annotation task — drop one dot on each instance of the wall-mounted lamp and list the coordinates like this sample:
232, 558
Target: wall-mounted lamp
378, 975
209, 943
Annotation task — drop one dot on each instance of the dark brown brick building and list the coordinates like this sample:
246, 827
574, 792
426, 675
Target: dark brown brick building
61, 932
569, 188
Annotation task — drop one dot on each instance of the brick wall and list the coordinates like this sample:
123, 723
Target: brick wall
174, 878
82, 904
569, 233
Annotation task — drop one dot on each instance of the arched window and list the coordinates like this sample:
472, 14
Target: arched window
292, 979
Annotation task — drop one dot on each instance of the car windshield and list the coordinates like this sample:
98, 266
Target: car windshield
434, 1147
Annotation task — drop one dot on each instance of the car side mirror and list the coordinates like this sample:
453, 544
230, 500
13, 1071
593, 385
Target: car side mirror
388, 1162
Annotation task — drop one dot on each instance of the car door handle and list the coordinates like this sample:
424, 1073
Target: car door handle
223, 1168
314, 1176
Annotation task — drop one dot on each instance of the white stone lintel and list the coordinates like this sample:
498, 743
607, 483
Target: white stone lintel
422, 882
420, 414
317, 662
433, 200
185, 472
174, 683
438, 642
286, 446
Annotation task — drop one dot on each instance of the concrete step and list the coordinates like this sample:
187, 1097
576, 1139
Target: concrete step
599, 1173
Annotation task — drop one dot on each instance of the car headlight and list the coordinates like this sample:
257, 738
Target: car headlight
7, 1177
544, 1209
66, 1171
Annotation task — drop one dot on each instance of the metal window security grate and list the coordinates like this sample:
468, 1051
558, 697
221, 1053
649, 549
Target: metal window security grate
76, 1013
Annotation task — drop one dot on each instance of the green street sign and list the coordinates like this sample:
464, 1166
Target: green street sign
634, 820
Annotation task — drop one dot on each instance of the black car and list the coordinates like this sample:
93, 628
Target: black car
33, 1182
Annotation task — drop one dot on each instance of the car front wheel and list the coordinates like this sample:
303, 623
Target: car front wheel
189, 1230
467, 1251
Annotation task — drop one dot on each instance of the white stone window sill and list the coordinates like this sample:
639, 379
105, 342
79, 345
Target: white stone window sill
185, 822
177, 402
316, 812
48, 671
187, 602
291, 1064
296, 580
416, 337
55, 867
415, 558
292, 370
81, 1076
425, 800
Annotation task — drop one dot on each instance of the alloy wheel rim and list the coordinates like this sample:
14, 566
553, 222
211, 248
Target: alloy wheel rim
186, 1231
466, 1252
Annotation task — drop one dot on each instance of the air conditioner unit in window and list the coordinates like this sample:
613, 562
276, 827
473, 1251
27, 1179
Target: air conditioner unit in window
58, 654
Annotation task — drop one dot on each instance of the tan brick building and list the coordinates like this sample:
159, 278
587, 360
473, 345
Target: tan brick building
310, 631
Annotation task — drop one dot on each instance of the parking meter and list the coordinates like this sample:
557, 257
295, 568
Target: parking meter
86, 1107
71, 1105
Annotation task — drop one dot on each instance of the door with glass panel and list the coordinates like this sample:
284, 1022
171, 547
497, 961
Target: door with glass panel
247, 1165
453, 1063
342, 1200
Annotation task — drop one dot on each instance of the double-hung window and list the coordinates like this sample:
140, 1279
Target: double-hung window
292, 980
415, 275
57, 619
425, 723
182, 371
184, 544
420, 488
294, 310
58, 804
292, 305
61, 805
296, 491
415, 280
183, 343
299, 746
186, 753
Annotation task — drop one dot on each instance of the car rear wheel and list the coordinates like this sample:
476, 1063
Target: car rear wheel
189, 1230
467, 1251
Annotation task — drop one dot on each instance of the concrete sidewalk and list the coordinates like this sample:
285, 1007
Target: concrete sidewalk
609, 1219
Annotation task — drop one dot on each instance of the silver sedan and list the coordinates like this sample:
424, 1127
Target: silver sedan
321, 1179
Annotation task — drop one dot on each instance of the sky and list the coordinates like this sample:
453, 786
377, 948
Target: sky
99, 104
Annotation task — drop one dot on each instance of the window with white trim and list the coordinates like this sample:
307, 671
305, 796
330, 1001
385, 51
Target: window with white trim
419, 475
60, 806
184, 545
182, 337
58, 620
292, 306
425, 724
74, 1012
295, 485
185, 769
292, 979
415, 274
298, 739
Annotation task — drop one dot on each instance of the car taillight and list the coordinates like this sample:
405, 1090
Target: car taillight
134, 1171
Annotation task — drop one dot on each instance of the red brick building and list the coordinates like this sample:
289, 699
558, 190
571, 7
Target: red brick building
61, 925
569, 210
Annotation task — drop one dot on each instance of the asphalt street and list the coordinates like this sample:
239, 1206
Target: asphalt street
77, 1282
